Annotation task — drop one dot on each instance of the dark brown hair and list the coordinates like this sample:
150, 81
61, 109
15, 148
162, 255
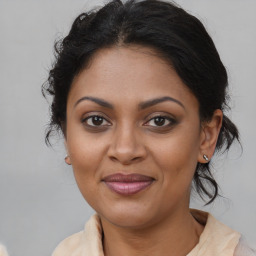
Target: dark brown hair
177, 36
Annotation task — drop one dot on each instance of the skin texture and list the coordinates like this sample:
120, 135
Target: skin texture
129, 139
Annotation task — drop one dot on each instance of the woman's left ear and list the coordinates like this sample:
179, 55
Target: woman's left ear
209, 135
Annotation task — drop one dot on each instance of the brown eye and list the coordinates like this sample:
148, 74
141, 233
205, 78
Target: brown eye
160, 121
96, 121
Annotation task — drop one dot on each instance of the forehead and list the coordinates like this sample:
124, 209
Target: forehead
131, 73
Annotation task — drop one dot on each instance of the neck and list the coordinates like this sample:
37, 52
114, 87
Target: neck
176, 235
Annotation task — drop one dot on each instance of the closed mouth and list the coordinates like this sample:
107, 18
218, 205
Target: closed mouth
127, 184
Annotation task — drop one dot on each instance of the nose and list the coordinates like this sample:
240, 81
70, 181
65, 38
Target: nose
127, 146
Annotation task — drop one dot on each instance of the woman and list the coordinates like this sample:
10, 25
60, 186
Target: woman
139, 93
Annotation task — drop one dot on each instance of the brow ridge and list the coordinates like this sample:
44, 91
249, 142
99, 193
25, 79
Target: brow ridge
142, 105
99, 101
152, 102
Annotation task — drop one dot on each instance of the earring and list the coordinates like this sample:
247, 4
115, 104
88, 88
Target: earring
206, 158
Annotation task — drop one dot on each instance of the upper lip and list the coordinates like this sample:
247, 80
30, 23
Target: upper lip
133, 177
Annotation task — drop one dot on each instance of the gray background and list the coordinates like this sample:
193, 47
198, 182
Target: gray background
39, 201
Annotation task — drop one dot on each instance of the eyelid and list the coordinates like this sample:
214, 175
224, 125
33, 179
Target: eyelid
90, 117
94, 114
170, 120
159, 114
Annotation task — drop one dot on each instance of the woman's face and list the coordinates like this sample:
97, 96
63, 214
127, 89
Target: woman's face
133, 136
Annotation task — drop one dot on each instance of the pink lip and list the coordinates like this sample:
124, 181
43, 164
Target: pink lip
127, 184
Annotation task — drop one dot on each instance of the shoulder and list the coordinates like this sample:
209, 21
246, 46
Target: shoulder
219, 239
68, 245
216, 239
3, 251
86, 242
243, 249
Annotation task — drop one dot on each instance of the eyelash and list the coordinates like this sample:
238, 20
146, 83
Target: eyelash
85, 120
171, 122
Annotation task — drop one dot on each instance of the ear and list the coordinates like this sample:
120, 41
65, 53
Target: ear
209, 135
67, 157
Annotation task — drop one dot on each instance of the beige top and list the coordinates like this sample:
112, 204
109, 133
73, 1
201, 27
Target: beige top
3, 251
216, 239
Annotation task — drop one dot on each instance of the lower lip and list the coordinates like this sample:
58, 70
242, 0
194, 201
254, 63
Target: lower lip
128, 188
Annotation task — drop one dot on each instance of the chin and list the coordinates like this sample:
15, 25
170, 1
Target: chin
129, 216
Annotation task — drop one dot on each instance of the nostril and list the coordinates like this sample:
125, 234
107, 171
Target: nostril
132, 160
126, 161
113, 158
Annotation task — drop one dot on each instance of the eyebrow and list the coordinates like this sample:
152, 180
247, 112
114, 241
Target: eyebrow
100, 102
142, 105
152, 102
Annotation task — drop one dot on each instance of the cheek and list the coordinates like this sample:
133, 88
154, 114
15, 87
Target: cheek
84, 148
177, 158
86, 154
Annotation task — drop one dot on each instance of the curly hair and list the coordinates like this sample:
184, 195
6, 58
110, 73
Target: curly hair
175, 35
